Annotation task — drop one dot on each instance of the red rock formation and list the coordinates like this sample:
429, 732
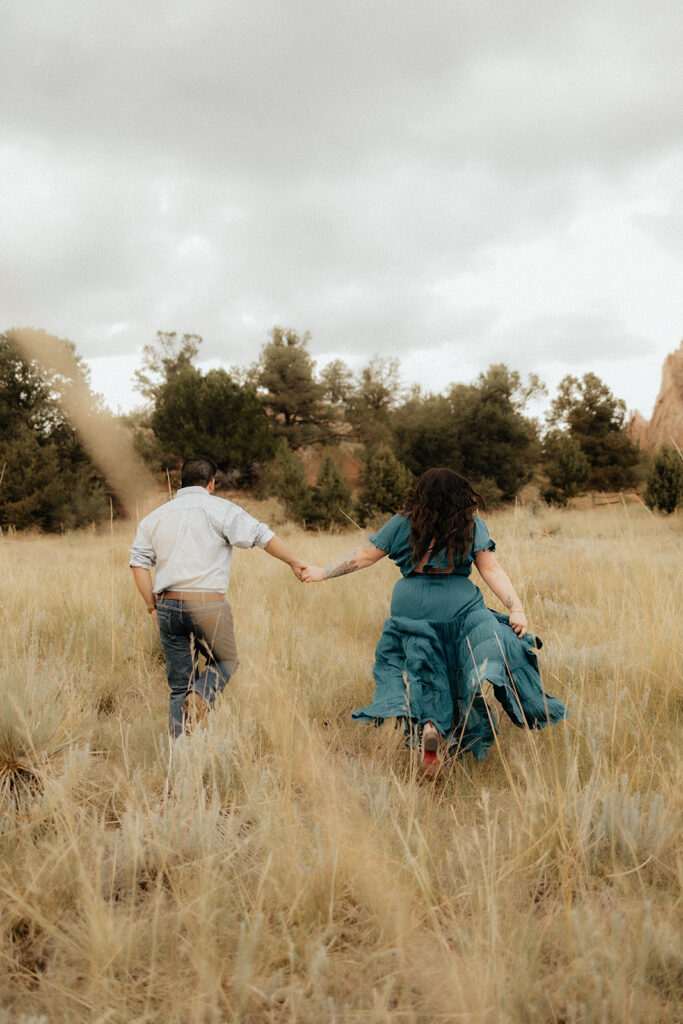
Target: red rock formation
636, 428
667, 418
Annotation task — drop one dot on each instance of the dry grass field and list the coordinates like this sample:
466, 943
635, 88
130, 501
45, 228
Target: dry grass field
288, 865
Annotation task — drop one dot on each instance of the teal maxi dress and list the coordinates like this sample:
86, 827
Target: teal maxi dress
442, 643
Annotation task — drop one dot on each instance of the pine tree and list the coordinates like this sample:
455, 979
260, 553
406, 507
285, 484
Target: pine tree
47, 479
284, 478
331, 496
665, 482
386, 482
371, 400
594, 418
291, 397
164, 360
196, 412
478, 430
567, 468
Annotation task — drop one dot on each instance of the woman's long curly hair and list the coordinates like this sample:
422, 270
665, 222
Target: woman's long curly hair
441, 509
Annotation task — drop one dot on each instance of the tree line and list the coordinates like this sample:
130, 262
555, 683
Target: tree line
257, 421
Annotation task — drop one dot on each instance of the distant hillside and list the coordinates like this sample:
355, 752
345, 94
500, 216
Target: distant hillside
667, 418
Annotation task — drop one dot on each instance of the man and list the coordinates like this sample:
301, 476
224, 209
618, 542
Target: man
190, 541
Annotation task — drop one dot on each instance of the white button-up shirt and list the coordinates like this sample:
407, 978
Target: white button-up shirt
190, 540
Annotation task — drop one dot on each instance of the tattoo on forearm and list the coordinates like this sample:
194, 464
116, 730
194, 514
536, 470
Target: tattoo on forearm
347, 563
508, 602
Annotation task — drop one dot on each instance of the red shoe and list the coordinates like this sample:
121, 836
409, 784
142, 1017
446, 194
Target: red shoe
430, 765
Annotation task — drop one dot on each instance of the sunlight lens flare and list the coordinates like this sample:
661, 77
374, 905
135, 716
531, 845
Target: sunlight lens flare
107, 442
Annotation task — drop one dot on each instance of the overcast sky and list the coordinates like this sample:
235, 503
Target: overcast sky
454, 183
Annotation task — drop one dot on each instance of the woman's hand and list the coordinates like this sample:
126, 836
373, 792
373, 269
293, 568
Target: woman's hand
495, 577
312, 574
518, 623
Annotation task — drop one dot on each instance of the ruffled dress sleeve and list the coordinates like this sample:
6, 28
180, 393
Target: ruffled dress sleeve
481, 538
385, 539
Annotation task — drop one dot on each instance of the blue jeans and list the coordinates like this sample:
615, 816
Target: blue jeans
188, 629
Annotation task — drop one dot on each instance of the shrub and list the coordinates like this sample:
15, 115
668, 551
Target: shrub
284, 478
567, 468
386, 482
665, 482
327, 503
594, 419
489, 490
330, 499
47, 479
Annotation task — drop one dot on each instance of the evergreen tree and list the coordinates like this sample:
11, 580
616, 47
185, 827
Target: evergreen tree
161, 363
594, 418
164, 360
386, 483
426, 433
47, 480
291, 396
478, 430
284, 478
336, 381
374, 394
665, 481
566, 466
322, 506
496, 441
196, 412
330, 502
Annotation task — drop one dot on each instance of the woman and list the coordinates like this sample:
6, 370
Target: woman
442, 644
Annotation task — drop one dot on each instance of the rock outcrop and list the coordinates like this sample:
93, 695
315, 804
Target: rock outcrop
667, 417
636, 428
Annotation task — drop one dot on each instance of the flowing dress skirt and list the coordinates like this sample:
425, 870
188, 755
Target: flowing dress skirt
435, 654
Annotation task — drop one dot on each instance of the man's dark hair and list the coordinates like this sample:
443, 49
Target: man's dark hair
198, 470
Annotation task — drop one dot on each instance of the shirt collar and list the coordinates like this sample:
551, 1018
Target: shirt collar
197, 489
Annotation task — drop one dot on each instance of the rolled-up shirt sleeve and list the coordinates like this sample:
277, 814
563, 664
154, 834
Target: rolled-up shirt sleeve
142, 553
243, 531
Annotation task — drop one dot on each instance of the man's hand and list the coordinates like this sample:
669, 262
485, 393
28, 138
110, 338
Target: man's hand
143, 581
278, 549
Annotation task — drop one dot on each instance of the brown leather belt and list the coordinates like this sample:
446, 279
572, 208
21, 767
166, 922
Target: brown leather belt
191, 595
433, 572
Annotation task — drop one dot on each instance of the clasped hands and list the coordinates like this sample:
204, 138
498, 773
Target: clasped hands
307, 573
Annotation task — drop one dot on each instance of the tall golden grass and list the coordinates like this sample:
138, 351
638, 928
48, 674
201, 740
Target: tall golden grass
288, 865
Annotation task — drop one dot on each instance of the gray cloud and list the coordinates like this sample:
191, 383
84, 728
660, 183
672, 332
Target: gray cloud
291, 89
572, 340
225, 167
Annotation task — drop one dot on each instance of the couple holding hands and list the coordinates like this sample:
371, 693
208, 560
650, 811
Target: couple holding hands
437, 652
